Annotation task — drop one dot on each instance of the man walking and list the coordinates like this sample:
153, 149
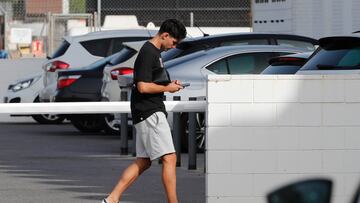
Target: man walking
149, 115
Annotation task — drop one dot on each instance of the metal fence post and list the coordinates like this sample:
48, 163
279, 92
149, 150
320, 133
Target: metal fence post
177, 133
124, 149
192, 138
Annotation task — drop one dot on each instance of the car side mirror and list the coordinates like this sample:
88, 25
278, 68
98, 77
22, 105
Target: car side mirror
308, 191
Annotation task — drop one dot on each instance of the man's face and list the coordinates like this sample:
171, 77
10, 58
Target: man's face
168, 42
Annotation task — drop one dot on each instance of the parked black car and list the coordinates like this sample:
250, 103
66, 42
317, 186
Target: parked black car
84, 85
288, 64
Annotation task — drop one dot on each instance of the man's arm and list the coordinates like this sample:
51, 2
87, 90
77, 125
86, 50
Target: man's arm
153, 88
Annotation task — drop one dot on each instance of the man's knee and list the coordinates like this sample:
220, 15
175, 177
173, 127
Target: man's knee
143, 163
169, 158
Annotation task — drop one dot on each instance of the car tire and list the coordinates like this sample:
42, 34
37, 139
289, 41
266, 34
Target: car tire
200, 132
111, 126
87, 123
47, 118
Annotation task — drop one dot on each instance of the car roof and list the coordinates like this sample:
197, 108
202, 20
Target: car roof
112, 33
231, 36
230, 50
326, 40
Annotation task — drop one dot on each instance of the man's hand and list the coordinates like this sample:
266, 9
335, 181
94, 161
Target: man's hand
174, 86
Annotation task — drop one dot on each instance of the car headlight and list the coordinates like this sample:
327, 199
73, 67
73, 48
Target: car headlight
23, 84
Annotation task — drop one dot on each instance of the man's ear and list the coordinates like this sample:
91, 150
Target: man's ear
164, 35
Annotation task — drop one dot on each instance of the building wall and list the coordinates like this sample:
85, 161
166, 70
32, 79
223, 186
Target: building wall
36, 7
266, 131
314, 18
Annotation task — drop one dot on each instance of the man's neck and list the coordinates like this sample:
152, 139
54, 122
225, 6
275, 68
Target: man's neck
156, 41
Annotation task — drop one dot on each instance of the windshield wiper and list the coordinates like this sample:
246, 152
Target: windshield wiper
334, 67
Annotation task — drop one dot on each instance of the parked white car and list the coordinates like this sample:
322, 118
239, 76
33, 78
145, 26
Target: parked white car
80, 51
26, 90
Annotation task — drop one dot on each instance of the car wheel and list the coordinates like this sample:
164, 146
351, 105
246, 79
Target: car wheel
47, 118
111, 125
200, 132
87, 123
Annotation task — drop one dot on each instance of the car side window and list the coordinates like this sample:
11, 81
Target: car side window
246, 42
295, 43
98, 47
249, 63
219, 67
351, 58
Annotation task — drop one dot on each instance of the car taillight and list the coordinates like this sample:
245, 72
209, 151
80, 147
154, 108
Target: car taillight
58, 65
120, 71
66, 81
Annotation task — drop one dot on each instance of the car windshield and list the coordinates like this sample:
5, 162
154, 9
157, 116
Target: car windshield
335, 57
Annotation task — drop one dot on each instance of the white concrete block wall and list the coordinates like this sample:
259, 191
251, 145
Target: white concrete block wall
266, 131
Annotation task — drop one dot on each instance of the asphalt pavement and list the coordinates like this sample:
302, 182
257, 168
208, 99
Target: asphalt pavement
57, 164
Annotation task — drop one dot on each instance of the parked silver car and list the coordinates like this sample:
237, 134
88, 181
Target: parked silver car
194, 69
110, 89
79, 51
335, 55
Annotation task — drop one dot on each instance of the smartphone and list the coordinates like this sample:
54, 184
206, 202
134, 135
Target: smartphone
186, 84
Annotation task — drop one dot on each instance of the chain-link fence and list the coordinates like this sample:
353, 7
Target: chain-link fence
209, 13
25, 24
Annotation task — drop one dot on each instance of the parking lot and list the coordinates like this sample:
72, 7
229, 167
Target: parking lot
55, 163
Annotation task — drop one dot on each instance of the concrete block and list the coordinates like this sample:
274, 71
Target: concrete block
352, 93
310, 138
287, 138
352, 138
253, 114
218, 161
264, 90
233, 185
230, 91
305, 114
341, 114
218, 115
333, 161
300, 162
351, 161
254, 162
287, 90
333, 91
310, 91
230, 138
333, 137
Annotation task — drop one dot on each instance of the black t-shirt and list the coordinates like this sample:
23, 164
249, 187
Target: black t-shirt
143, 105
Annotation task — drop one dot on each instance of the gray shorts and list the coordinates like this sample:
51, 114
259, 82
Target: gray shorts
153, 137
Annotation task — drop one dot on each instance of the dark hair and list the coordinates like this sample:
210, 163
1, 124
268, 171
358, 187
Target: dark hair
174, 27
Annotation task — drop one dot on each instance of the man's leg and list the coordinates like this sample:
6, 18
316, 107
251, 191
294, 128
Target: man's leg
130, 174
169, 176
